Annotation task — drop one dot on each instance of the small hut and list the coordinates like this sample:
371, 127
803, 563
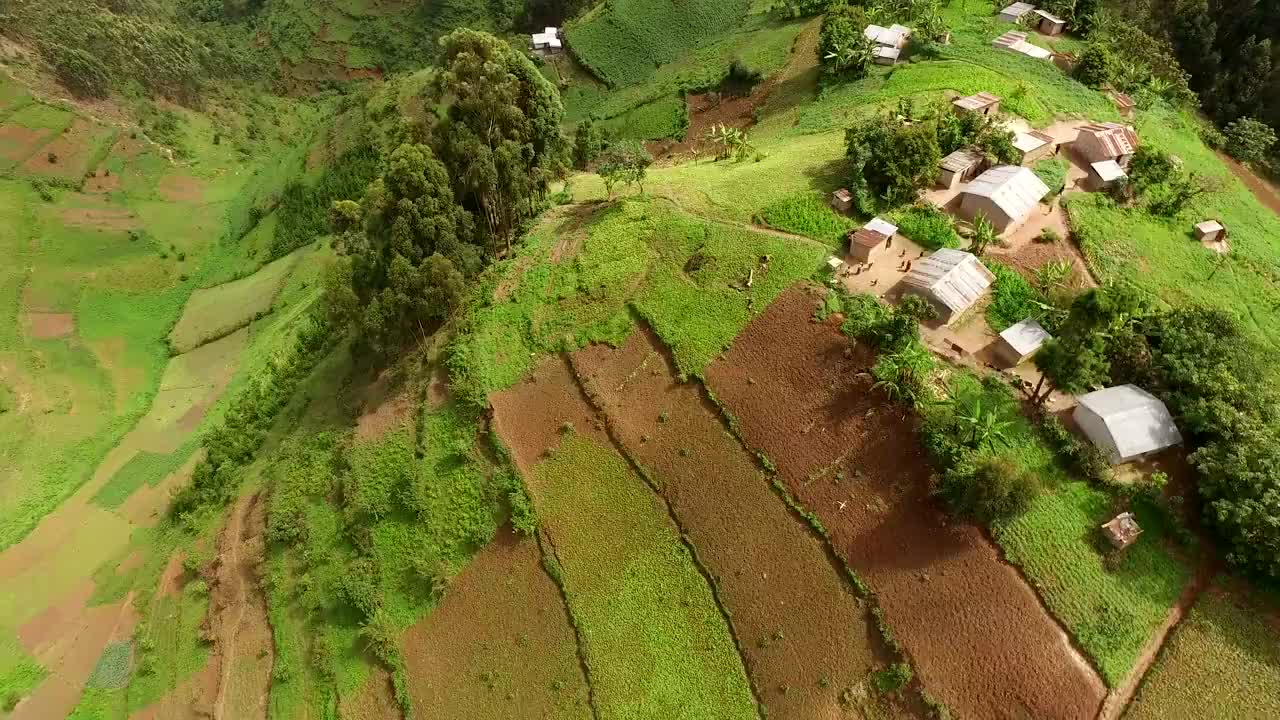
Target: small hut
1033, 145
1106, 141
842, 201
1105, 174
1020, 341
1122, 530
870, 241
894, 36
1210, 231
951, 280
1015, 41
983, 103
1123, 103
883, 55
1126, 423
1049, 24
960, 166
546, 42
1014, 12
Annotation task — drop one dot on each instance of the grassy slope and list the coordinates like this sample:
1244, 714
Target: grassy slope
655, 643
1222, 661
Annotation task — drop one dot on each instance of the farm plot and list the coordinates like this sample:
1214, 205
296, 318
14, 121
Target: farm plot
806, 639
71, 154
499, 645
651, 633
27, 129
214, 312
976, 632
1222, 661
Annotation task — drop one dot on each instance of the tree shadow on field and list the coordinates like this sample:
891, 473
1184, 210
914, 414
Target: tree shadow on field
829, 176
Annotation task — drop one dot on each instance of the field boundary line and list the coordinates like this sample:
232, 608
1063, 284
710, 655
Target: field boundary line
547, 549
621, 449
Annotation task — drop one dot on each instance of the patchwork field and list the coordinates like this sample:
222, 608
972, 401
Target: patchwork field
652, 636
799, 396
807, 641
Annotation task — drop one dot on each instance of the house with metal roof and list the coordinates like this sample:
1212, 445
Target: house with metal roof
1032, 145
983, 103
1014, 12
894, 36
871, 240
546, 42
1020, 341
1126, 423
1015, 41
951, 280
1106, 141
1210, 231
1105, 174
1048, 23
883, 55
960, 166
1005, 195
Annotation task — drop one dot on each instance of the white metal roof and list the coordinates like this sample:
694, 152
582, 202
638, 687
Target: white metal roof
962, 160
977, 101
1210, 226
1109, 170
882, 226
1050, 17
1015, 190
883, 51
892, 36
1017, 9
954, 278
1136, 422
1028, 142
1025, 337
549, 37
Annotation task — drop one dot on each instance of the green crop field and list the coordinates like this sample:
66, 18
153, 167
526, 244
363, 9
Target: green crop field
624, 41
655, 644
1222, 661
214, 312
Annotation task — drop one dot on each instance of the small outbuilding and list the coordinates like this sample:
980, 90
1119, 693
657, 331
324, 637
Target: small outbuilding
1032, 145
1106, 141
842, 201
1014, 12
951, 280
1126, 423
983, 103
883, 55
1210, 231
960, 167
1015, 41
894, 36
1122, 531
1020, 341
1005, 195
1105, 174
1123, 102
1049, 24
871, 240
546, 42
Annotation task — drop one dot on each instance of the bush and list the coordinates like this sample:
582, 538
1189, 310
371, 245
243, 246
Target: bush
1048, 236
988, 489
1097, 65
80, 72
1013, 299
1249, 140
893, 678
1053, 173
928, 227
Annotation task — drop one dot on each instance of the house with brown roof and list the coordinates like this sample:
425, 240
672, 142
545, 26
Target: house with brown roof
871, 241
983, 103
1106, 141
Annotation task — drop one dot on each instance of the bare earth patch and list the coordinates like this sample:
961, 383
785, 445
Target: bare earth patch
181, 188
102, 218
978, 634
17, 143
72, 149
48, 325
499, 644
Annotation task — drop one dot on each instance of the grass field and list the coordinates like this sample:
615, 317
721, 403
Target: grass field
655, 644
1222, 661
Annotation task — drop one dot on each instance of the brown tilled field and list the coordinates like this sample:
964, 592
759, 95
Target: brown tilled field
74, 151
805, 637
977, 633
499, 645
17, 143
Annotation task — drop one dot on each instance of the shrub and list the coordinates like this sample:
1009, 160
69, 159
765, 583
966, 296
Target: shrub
928, 227
1048, 236
1249, 140
843, 49
1053, 173
893, 678
80, 72
1097, 65
988, 488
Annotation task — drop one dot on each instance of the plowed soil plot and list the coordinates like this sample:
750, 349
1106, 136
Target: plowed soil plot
806, 638
500, 645
977, 633
652, 636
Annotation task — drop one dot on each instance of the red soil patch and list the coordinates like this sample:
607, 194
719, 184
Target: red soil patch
74, 150
1029, 257
17, 143
1261, 189
375, 700
47, 325
390, 414
499, 644
977, 633
796, 620
706, 110
181, 188
104, 218
530, 415
102, 182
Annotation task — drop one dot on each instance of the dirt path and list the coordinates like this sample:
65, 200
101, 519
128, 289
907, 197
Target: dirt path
1119, 698
1261, 189
243, 636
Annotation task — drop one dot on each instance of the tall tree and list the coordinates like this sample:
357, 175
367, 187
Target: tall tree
501, 134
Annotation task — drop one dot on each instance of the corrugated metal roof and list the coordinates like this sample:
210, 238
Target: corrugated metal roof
882, 51
962, 160
1136, 420
1122, 101
1015, 190
863, 237
1109, 170
882, 226
1210, 226
843, 195
976, 101
1050, 17
1116, 139
549, 37
954, 278
1025, 337
1010, 39
1017, 9
893, 36
1030, 141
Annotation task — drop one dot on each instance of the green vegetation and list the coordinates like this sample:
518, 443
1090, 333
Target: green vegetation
145, 468
1013, 299
215, 312
171, 645
622, 42
666, 117
808, 214
1053, 173
1222, 661
654, 641
927, 226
